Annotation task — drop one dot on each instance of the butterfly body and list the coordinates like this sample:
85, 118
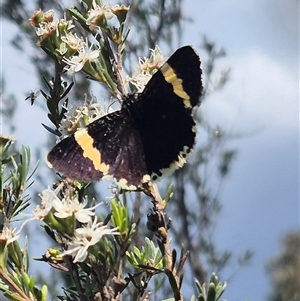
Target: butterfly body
149, 137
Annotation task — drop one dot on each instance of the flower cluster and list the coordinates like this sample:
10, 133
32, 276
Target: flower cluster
83, 60
50, 30
86, 238
72, 220
56, 36
147, 67
80, 116
101, 15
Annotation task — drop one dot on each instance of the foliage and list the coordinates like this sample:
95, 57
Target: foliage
121, 263
15, 281
284, 270
96, 267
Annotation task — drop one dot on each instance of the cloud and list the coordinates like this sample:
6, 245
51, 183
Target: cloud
262, 93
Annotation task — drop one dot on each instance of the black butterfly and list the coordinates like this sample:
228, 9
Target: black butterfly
150, 136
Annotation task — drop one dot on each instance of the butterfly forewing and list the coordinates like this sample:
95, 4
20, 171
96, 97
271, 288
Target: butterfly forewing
163, 117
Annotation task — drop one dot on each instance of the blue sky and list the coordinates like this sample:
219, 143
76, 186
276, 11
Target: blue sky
261, 102
261, 197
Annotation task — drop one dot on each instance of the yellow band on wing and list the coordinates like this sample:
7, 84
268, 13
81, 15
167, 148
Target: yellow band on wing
85, 141
171, 77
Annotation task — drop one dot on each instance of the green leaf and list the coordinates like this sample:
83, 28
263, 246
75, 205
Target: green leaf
169, 193
214, 291
211, 294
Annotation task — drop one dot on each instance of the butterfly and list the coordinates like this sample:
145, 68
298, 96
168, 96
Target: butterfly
149, 137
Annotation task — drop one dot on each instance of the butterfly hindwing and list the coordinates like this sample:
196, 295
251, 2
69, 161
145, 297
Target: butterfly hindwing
77, 157
121, 148
109, 146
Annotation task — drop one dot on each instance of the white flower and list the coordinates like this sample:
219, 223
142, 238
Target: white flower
76, 62
8, 235
70, 206
140, 81
39, 17
67, 25
97, 13
71, 119
155, 61
46, 28
120, 9
95, 112
48, 196
45, 23
74, 116
73, 41
147, 67
86, 237
64, 208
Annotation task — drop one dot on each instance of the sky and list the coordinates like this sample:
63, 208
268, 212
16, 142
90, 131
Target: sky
261, 102
260, 198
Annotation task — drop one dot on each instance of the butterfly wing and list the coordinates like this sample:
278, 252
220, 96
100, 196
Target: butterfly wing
162, 112
108, 146
122, 150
